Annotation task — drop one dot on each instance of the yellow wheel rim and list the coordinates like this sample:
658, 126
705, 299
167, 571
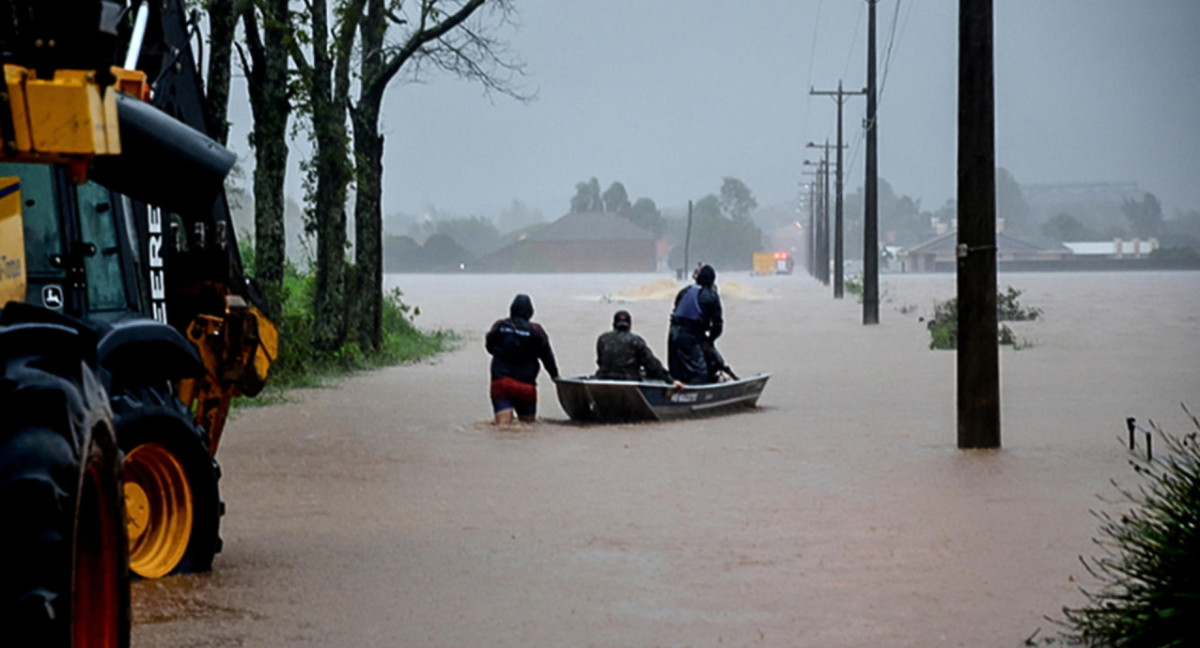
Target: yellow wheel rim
158, 505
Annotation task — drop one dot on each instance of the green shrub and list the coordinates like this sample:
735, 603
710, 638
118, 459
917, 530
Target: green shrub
1008, 309
853, 285
943, 325
300, 364
1150, 569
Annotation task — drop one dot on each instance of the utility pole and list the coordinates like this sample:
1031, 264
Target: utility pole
822, 215
814, 226
978, 348
871, 213
687, 242
825, 217
839, 258
838, 237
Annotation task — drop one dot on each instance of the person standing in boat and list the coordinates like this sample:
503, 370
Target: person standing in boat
696, 323
517, 345
622, 354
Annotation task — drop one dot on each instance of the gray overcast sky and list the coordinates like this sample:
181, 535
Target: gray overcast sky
669, 96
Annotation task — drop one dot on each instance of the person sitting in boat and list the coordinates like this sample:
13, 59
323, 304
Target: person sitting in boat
516, 345
622, 354
696, 323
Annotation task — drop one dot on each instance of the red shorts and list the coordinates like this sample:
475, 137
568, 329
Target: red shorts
508, 393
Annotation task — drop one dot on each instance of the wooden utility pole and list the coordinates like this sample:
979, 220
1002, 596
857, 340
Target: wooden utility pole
839, 258
871, 211
813, 226
825, 216
838, 238
978, 348
822, 216
687, 242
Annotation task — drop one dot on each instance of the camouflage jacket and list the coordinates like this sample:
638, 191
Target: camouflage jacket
623, 355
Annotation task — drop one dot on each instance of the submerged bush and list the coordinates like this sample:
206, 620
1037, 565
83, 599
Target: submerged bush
853, 285
943, 325
1008, 309
1150, 569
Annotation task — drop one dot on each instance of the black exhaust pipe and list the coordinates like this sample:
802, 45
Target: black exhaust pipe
163, 162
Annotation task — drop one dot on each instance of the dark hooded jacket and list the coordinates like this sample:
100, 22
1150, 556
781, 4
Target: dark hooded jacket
517, 344
698, 307
696, 323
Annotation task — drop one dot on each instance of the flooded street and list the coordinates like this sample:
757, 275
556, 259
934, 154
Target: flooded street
387, 511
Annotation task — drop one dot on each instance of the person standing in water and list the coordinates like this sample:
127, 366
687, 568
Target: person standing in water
696, 322
517, 345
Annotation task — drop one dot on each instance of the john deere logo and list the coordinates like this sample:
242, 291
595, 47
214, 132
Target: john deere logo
52, 296
10, 268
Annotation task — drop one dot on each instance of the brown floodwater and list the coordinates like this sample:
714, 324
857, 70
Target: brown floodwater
386, 511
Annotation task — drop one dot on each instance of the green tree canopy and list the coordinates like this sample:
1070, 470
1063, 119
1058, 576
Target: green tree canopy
1145, 216
707, 207
476, 234
1011, 204
645, 214
616, 200
737, 201
518, 215
725, 243
1065, 227
587, 197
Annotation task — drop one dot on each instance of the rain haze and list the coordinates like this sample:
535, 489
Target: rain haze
671, 96
387, 509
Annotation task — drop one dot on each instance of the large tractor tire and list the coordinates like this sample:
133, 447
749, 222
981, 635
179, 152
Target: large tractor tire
64, 577
173, 504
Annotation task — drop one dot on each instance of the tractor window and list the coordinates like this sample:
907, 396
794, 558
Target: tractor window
43, 238
97, 225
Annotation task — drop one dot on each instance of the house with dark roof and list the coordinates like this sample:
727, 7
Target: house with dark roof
940, 253
581, 242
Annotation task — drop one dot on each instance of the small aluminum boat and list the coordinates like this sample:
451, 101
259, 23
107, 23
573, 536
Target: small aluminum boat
584, 398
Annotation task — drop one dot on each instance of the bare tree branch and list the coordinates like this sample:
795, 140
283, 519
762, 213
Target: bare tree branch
422, 35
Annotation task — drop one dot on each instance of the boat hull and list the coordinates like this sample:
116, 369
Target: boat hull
591, 399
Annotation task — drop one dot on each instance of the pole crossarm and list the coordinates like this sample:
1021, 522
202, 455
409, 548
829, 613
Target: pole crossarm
839, 95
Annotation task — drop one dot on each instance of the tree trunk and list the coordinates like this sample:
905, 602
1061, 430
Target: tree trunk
368, 202
222, 19
368, 226
267, 81
329, 86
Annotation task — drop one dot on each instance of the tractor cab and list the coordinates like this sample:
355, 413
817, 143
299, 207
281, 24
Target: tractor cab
80, 259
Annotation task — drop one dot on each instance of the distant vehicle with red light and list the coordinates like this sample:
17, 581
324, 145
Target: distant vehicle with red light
769, 263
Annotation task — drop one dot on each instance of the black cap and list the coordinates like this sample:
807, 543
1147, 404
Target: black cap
622, 320
706, 275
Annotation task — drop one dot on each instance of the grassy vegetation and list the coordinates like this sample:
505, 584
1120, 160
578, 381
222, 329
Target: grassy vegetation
1150, 569
943, 325
300, 364
853, 285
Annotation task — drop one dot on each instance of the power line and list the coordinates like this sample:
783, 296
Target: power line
854, 40
892, 41
887, 57
812, 55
